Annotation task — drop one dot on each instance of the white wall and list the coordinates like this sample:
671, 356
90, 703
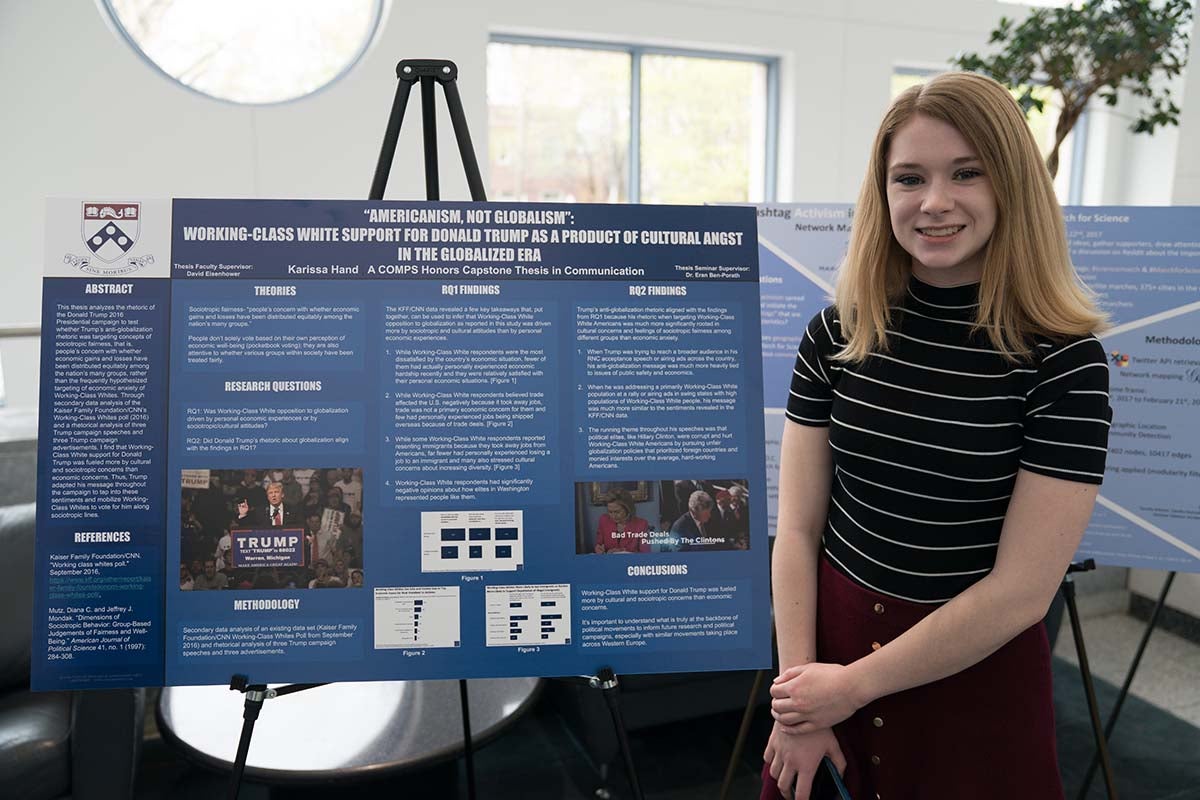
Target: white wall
86, 116
1186, 190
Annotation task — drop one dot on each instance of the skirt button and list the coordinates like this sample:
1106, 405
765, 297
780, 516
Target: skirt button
877, 722
879, 608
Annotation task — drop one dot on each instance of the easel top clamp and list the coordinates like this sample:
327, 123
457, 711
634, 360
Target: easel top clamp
428, 71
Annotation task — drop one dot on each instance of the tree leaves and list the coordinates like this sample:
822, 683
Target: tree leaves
1097, 48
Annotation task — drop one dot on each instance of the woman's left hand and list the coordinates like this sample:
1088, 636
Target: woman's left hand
808, 697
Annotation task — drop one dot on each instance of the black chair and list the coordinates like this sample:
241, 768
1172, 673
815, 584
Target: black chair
53, 745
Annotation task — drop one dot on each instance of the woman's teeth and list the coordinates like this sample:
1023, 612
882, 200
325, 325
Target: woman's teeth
941, 231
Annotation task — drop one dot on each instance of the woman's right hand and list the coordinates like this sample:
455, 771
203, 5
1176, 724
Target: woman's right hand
793, 758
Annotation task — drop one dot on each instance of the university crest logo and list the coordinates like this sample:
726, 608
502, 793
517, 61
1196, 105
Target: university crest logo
110, 229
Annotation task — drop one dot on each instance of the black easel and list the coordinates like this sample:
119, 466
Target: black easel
427, 71
409, 71
1133, 668
256, 694
1085, 671
445, 73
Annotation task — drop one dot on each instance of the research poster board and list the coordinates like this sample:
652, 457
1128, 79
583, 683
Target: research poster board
1144, 266
489, 430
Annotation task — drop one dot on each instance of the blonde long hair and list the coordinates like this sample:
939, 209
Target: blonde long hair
1028, 287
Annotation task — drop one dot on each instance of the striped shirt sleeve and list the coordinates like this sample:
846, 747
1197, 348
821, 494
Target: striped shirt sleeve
1067, 415
811, 394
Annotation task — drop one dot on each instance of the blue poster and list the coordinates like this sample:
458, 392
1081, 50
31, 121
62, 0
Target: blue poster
800, 247
1144, 266
519, 440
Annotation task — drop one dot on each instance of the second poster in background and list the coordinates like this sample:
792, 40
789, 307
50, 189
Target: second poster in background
1144, 266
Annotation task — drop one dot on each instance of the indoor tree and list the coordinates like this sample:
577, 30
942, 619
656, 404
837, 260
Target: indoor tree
1097, 47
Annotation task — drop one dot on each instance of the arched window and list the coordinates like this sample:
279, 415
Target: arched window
249, 51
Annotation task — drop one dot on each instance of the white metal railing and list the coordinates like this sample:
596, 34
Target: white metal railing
27, 331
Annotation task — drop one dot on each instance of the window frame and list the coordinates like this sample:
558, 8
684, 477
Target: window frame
633, 184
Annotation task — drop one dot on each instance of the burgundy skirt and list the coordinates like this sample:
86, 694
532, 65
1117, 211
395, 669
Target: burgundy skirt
986, 733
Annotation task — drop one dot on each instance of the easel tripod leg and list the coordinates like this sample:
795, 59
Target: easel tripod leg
254, 704
468, 749
388, 151
606, 681
428, 72
429, 118
743, 731
1133, 668
1068, 590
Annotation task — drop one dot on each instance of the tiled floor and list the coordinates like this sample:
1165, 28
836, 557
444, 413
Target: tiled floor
1156, 755
1169, 675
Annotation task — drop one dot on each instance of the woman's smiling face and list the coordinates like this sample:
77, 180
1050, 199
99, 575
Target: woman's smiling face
941, 203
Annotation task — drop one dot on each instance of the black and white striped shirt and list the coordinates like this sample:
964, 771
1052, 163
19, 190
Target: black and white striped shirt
927, 438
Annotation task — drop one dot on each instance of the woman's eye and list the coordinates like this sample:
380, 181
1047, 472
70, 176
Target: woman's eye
967, 174
907, 180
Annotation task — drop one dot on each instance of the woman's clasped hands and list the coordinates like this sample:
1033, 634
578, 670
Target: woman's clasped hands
806, 702
808, 697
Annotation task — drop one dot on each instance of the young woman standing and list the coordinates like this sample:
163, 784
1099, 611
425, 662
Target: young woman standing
946, 435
